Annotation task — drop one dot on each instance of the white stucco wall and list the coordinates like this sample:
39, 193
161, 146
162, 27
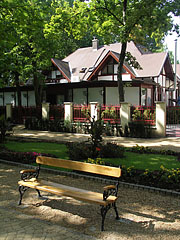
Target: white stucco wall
105, 78
95, 95
112, 96
131, 95
8, 98
79, 95
31, 98
23, 98
1, 99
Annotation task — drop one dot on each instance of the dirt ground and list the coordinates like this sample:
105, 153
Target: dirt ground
143, 214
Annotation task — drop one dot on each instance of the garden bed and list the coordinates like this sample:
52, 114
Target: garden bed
166, 178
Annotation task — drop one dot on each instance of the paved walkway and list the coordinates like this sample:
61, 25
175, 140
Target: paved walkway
16, 225
171, 143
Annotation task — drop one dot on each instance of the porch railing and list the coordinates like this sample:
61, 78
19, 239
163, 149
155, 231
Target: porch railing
56, 112
172, 115
2, 110
146, 114
20, 114
110, 113
81, 113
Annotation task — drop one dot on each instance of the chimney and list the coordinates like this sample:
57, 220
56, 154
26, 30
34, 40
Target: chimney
95, 44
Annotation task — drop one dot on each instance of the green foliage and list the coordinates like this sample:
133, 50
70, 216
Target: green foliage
139, 129
110, 112
162, 178
96, 131
5, 125
173, 115
79, 151
55, 149
24, 44
138, 21
146, 114
111, 150
97, 161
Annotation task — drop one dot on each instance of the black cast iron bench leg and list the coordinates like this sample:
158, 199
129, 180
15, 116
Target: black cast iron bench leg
22, 190
104, 210
116, 211
39, 194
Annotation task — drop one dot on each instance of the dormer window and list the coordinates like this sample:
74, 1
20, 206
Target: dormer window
91, 69
109, 67
83, 70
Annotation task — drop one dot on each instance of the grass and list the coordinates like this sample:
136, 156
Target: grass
145, 161
41, 147
138, 161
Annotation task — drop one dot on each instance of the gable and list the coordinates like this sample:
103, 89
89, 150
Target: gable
63, 67
109, 67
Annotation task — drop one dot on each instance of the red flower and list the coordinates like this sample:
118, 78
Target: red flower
98, 149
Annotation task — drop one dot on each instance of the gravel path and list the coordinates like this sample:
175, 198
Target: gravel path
144, 215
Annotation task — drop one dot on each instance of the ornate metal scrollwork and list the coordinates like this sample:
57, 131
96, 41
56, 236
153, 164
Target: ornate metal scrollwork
104, 210
26, 175
22, 190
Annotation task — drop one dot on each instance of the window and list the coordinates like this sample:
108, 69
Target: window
109, 68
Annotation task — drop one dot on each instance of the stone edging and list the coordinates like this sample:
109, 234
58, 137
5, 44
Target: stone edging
98, 179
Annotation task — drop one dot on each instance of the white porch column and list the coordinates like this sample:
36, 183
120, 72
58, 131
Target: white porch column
124, 114
68, 111
94, 106
160, 119
45, 111
8, 110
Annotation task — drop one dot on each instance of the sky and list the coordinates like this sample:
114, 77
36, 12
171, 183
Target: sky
170, 40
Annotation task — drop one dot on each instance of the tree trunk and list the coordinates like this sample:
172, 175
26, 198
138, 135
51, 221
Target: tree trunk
122, 57
18, 89
120, 70
37, 90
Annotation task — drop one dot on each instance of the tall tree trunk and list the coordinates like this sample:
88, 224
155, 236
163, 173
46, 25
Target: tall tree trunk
37, 90
120, 70
37, 85
18, 89
122, 57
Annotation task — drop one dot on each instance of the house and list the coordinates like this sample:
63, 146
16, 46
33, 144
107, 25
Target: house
90, 75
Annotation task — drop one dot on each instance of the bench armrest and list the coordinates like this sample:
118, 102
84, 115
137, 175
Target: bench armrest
27, 171
28, 174
109, 190
109, 187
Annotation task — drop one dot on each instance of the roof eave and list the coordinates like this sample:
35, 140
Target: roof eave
52, 60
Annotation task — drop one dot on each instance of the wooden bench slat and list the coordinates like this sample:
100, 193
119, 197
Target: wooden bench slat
80, 166
63, 190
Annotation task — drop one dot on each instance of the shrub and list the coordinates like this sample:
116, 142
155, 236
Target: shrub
98, 161
139, 129
23, 157
5, 125
79, 151
111, 150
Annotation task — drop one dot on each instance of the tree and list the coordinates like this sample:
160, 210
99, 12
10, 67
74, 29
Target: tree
71, 27
25, 51
132, 20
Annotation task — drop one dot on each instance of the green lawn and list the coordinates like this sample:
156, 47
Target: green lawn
138, 161
146, 161
41, 147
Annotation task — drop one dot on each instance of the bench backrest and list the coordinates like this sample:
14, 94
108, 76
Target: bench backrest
80, 166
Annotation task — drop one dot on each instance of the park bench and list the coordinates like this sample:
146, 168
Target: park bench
106, 200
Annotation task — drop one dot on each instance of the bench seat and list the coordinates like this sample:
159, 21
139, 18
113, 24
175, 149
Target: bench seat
106, 200
63, 190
